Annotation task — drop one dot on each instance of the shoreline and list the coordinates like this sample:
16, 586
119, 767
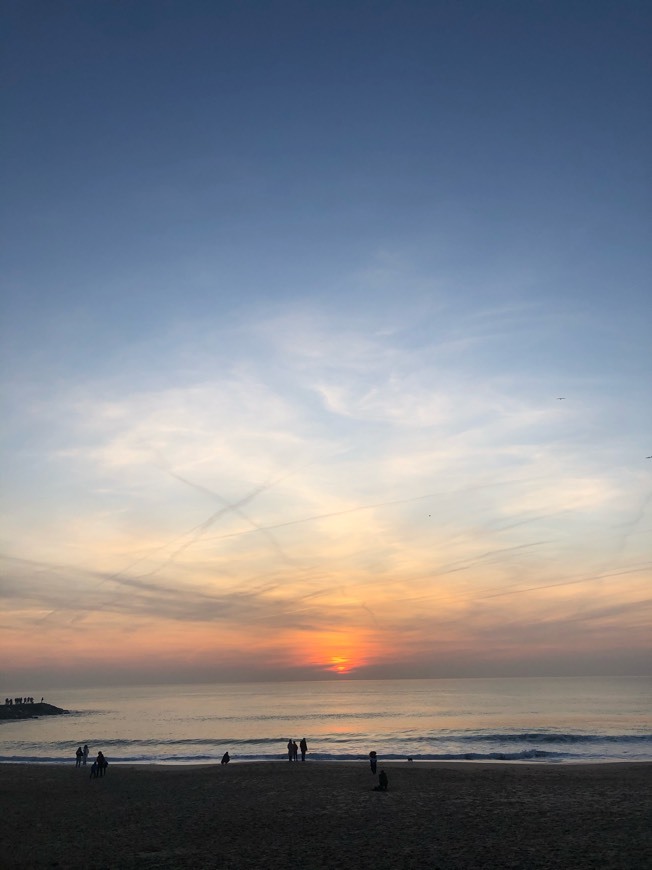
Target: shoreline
325, 815
363, 762
154, 767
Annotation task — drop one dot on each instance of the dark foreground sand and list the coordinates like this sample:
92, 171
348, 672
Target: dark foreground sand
316, 815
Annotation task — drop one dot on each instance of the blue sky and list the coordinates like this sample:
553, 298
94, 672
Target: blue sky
290, 294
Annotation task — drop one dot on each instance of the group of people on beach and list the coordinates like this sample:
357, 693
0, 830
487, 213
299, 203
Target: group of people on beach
98, 767
9, 702
81, 755
294, 749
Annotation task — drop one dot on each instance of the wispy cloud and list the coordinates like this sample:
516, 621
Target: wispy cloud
325, 473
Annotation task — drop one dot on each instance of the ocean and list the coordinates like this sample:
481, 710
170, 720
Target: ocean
547, 720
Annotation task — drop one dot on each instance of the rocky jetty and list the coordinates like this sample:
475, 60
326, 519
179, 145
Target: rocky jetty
28, 711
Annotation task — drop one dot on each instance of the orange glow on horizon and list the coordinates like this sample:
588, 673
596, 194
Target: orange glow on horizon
337, 652
340, 665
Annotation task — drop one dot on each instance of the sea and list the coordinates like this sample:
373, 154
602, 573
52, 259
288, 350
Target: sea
543, 720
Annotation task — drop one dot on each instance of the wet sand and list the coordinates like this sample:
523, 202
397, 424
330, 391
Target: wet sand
319, 815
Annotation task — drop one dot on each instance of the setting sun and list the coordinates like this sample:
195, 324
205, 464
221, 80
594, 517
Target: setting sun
338, 652
340, 665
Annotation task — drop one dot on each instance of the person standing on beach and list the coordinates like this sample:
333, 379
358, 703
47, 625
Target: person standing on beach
303, 746
290, 749
372, 761
295, 751
79, 754
85, 753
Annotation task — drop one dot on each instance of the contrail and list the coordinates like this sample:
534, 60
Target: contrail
393, 502
631, 524
518, 591
196, 531
230, 507
590, 579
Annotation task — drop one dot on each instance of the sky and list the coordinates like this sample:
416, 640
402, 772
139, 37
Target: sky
325, 340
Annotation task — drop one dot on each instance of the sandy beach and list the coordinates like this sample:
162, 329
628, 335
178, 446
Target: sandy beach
317, 815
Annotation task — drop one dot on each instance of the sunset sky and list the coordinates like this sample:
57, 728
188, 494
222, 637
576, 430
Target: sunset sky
325, 340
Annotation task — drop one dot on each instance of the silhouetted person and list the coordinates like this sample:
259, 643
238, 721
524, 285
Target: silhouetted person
295, 751
225, 758
372, 761
102, 764
85, 753
383, 782
303, 746
80, 755
290, 750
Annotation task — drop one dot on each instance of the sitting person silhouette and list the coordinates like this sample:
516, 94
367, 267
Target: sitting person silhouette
383, 782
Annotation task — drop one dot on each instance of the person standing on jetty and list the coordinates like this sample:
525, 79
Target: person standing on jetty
303, 746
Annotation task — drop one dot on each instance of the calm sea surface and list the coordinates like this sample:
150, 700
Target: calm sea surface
542, 719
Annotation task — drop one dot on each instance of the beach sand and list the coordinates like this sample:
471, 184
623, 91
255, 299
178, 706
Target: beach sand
318, 815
